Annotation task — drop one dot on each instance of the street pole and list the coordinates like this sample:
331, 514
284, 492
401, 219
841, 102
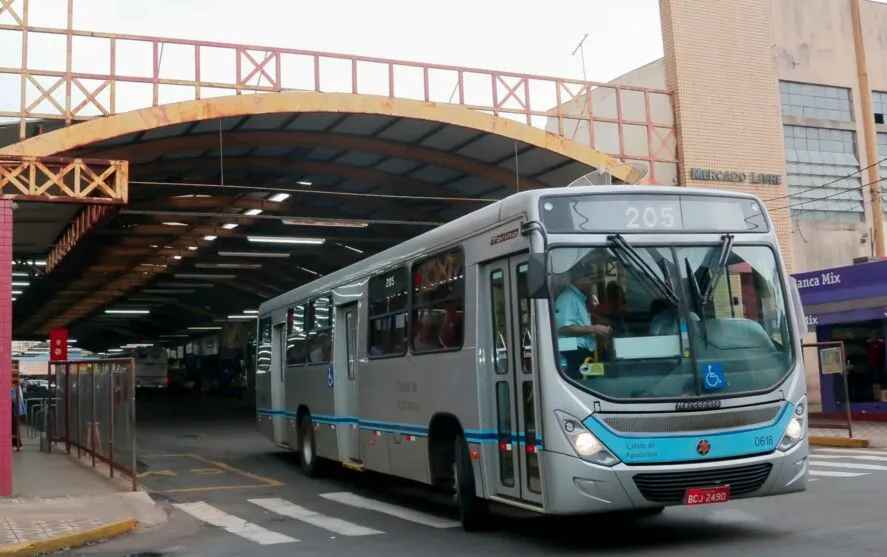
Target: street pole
868, 126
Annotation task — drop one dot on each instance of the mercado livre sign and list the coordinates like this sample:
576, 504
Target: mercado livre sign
734, 176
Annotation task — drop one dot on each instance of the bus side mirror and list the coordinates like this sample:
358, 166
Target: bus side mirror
537, 277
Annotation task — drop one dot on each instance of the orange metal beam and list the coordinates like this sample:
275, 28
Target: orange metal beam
89, 219
63, 180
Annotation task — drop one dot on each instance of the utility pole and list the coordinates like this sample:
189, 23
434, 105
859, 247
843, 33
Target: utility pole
868, 126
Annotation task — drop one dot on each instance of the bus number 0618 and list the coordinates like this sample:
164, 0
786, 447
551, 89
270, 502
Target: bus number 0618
650, 217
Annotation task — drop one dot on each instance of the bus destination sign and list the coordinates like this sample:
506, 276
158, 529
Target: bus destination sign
622, 213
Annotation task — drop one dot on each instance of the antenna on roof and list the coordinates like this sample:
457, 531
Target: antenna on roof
604, 176
581, 49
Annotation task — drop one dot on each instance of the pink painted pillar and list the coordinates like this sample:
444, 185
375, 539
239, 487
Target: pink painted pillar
5, 347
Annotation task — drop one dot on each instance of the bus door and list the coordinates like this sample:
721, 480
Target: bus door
517, 473
346, 381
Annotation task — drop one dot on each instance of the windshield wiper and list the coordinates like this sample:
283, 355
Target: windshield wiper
665, 289
715, 274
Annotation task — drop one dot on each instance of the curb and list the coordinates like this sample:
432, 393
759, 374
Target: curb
67, 541
855, 442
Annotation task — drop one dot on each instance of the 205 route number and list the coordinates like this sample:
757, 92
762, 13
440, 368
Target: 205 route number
650, 217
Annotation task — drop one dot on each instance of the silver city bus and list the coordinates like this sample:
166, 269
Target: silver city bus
566, 350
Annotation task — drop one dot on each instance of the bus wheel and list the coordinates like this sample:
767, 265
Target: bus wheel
307, 448
472, 510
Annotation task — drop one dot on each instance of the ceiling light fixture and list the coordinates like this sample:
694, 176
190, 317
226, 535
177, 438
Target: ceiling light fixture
204, 328
210, 238
339, 223
355, 250
304, 183
227, 266
175, 224
278, 197
253, 212
199, 276
250, 311
241, 317
21, 283
285, 240
230, 226
127, 311
278, 255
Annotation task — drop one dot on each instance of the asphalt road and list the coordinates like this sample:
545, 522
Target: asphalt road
229, 492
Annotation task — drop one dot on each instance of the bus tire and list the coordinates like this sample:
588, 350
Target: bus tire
307, 447
472, 510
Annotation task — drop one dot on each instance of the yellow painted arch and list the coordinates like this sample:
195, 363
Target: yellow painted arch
100, 129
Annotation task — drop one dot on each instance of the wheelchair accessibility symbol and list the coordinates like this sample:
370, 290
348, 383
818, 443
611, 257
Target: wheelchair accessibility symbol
713, 377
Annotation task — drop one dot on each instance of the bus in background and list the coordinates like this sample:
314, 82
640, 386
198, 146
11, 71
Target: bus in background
152, 367
565, 351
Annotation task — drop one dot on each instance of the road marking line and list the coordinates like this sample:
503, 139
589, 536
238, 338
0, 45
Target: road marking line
849, 451
871, 458
347, 498
836, 474
337, 525
232, 524
849, 465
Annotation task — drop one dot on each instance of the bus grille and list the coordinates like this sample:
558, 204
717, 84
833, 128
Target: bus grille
670, 487
674, 423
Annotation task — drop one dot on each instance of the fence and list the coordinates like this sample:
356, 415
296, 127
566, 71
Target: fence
94, 411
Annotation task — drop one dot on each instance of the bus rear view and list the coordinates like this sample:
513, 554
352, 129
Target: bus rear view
669, 351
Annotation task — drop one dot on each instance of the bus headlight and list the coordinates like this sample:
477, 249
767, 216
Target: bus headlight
587, 446
796, 428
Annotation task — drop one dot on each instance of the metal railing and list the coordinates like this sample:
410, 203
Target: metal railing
94, 411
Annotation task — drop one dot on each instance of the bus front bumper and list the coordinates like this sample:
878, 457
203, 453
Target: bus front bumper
594, 488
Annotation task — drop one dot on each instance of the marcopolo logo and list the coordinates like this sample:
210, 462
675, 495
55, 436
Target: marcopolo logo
697, 405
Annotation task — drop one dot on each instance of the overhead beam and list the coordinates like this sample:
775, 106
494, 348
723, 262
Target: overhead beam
87, 221
345, 142
63, 180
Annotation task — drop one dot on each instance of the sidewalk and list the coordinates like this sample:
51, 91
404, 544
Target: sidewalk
60, 502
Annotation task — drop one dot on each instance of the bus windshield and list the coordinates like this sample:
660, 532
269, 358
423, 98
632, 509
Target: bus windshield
644, 322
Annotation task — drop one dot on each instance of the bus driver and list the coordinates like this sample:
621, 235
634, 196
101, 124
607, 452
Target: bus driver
574, 320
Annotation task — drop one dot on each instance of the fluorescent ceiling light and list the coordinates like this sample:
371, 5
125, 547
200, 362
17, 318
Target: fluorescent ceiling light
16, 292
230, 226
310, 271
210, 238
250, 311
227, 266
203, 276
350, 247
204, 328
278, 197
176, 256
279, 255
285, 240
339, 223
192, 248
128, 311
304, 183
241, 317
175, 224
172, 336
115, 350
253, 212
21, 275
20, 283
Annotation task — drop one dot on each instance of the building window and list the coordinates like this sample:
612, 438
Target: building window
388, 298
824, 182
879, 102
438, 303
296, 338
816, 101
320, 336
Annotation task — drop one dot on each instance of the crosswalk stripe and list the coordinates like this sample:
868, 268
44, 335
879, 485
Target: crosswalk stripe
849, 451
871, 458
837, 474
855, 465
232, 524
296, 512
350, 499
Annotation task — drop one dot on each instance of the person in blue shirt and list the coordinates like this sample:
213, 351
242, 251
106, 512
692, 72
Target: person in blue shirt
574, 320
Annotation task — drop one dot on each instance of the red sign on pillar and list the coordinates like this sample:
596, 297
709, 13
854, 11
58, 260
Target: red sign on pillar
58, 345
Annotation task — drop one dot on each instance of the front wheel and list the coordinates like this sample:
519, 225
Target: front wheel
307, 448
472, 510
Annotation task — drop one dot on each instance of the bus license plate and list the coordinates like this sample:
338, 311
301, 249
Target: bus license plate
708, 495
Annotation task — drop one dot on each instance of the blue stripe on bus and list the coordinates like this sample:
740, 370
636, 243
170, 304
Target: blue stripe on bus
471, 435
654, 449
